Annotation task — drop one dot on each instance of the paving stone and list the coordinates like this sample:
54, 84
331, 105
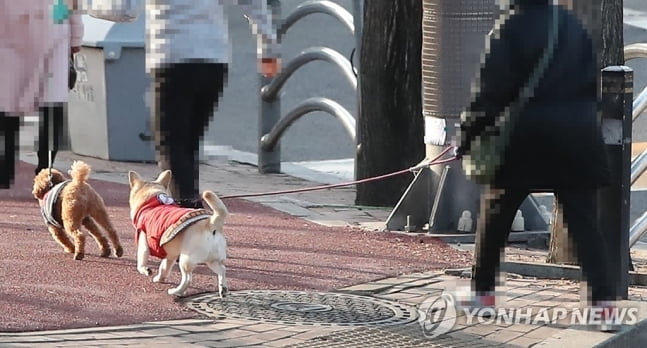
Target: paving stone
232, 342
210, 327
126, 342
296, 328
165, 331
130, 334
181, 322
312, 334
373, 225
329, 223
236, 321
397, 296
19, 339
100, 336
292, 209
524, 341
277, 335
284, 342
263, 327
465, 335
480, 330
524, 291
519, 302
416, 300
232, 333
574, 338
543, 332
367, 288
522, 328
503, 336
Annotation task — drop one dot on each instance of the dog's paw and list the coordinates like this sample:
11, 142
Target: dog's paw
79, 256
119, 251
105, 253
68, 250
223, 291
175, 292
145, 271
157, 279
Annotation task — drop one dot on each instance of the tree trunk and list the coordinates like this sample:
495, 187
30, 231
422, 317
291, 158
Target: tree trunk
390, 126
607, 37
562, 249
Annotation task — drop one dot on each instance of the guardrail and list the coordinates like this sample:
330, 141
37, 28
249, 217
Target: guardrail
271, 125
639, 164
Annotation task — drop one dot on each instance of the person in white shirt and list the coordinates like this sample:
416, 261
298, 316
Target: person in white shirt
187, 55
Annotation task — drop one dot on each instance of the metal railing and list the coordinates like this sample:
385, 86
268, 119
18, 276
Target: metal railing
638, 164
271, 125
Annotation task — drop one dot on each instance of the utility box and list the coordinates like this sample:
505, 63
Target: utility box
108, 113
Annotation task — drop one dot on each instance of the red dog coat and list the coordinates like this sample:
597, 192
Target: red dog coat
161, 219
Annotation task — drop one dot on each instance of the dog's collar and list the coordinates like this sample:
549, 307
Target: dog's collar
155, 201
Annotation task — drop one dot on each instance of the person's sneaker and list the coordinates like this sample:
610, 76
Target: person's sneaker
480, 305
608, 317
190, 203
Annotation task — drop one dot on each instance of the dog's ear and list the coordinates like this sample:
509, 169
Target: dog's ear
164, 179
41, 186
134, 178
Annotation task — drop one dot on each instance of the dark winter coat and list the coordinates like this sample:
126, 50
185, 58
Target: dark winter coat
557, 142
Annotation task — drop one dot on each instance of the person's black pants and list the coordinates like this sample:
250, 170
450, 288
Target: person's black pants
9, 127
50, 116
498, 209
185, 97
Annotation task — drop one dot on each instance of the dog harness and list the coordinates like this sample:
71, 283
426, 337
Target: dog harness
161, 219
49, 202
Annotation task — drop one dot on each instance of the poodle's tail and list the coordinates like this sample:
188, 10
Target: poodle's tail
220, 211
80, 171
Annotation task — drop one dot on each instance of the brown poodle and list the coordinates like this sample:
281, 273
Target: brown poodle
68, 204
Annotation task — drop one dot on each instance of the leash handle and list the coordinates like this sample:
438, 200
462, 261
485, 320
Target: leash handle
49, 119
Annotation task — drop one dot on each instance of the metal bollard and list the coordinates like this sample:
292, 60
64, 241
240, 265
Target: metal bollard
613, 201
269, 161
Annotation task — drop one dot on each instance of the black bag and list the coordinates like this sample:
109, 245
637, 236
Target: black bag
71, 82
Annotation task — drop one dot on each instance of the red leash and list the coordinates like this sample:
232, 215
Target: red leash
432, 162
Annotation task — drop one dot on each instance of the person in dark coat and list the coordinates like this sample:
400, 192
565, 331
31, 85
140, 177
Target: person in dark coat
556, 144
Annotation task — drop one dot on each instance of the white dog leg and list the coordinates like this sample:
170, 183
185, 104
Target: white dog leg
165, 268
219, 269
142, 255
187, 269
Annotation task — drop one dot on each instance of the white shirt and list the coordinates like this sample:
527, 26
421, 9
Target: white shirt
178, 30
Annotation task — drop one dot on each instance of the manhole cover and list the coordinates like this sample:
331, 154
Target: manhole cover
304, 308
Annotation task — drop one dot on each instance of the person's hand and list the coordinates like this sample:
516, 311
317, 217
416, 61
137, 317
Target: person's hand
75, 49
458, 152
270, 67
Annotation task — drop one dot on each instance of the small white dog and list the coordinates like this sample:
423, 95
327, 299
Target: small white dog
165, 230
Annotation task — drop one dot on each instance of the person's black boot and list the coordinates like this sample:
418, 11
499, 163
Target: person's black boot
190, 203
9, 127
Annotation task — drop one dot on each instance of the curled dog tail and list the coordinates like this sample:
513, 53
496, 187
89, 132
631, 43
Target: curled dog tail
80, 171
220, 211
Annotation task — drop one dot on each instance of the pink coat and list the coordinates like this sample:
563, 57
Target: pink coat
34, 54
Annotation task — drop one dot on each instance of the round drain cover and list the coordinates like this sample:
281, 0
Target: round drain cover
304, 308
